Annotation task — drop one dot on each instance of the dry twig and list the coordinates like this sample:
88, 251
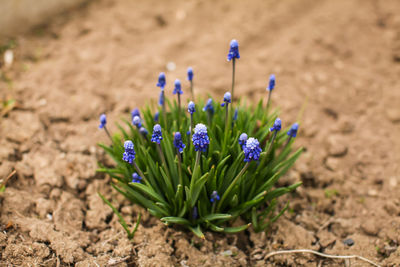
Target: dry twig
3, 183
321, 255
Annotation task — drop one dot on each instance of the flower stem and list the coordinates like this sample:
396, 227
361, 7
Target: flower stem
226, 132
226, 193
191, 89
209, 115
287, 142
269, 99
108, 133
161, 155
196, 164
140, 172
271, 143
213, 207
164, 111
233, 77
179, 167
179, 110
191, 127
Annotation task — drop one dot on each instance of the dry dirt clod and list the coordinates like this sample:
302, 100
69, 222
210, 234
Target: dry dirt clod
370, 227
393, 114
332, 164
337, 146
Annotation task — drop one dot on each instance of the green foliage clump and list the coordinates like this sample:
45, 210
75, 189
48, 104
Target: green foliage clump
177, 191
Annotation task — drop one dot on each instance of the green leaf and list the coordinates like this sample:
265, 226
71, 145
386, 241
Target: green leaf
281, 191
197, 231
215, 227
122, 221
195, 191
217, 216
149, 191
234, 230
176, 220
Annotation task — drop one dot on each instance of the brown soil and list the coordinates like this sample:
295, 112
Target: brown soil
338, 59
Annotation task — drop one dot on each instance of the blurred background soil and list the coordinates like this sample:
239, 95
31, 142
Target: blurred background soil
338, 61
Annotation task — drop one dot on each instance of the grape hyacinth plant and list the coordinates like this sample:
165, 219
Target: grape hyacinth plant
204, 170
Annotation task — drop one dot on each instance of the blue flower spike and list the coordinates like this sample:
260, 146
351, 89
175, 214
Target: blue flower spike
190, 74
242, 139
129, 154
137, 122
190, 79
292, 133
136, 178
200, 138
227, 99
179, 145
233, 55
156, 116
209, 106
156, 137
252, 150
277, 125
178, 91
178, 87
191, 110
191, 107
103, 121
214, 197
271, 84
235, 115
293, 130
161, 99
233, 50
270, 87
274, 129
135, 112
210, 110
143, 131
195, 213
161, 80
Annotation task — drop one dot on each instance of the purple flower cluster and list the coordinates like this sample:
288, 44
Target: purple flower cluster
293, 130
177, 89
271, 85
209, 106
161, 80
137, 122
103, 121
233, 50
277, 125
252, 150
135, 112
214, 197
227, 99
242, 139
190, 74
129, 154
200, 138
136, 178
191, 107
178, 142
156, 137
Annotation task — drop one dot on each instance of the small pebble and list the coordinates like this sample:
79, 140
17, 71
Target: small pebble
171, 66
348, 242
8, 58
227, 253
